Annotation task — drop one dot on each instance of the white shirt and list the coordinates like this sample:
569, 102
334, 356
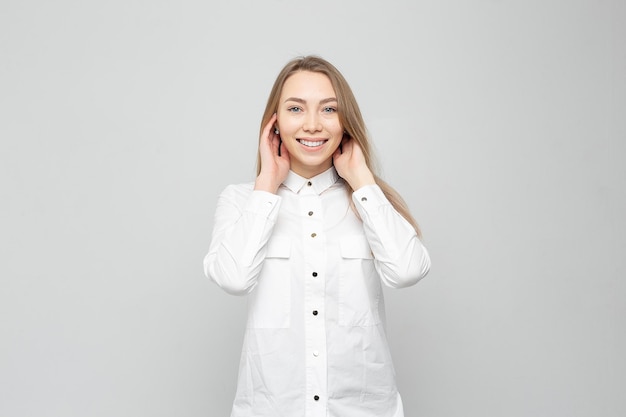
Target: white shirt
315, 342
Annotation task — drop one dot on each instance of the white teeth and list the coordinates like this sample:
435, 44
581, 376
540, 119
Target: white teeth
310, 143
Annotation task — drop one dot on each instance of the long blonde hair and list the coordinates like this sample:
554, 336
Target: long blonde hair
349, 116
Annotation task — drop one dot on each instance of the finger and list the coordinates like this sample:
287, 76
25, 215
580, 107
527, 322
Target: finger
274, 143
269, 127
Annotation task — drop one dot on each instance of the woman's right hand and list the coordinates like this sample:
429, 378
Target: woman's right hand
274, 167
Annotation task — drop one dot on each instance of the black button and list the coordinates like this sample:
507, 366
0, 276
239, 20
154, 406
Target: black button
309, 183
310, 213
363, 198
314, 274
316, 397
315, 312
313, 234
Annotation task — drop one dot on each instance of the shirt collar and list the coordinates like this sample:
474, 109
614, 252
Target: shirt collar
318, 183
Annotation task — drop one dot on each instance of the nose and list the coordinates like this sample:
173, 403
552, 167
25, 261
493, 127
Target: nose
312, 122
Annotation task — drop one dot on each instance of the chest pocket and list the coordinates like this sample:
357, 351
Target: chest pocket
270, 302
359, 284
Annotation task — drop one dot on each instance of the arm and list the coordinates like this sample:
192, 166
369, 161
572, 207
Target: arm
244, 220
400, 258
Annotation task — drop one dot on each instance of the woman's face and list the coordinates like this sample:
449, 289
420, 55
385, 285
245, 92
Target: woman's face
309, 123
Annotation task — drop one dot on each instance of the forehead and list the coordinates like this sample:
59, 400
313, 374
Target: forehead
306, 83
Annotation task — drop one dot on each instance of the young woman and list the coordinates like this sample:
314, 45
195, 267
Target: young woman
310, 242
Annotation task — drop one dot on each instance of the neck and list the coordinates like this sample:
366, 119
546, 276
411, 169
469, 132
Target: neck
309, 171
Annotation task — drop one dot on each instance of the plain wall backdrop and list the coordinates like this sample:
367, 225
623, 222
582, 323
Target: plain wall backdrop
502, 123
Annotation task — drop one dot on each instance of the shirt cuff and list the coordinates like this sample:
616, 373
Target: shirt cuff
368, 199
263, 204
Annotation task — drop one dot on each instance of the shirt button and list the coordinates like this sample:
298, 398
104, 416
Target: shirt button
314, 274
316, 397
313, 234
309, 183
310, 213
363, 198
316, 353
315, 312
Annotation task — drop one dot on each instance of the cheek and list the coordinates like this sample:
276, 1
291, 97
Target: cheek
285, 125
332, 124
337, 129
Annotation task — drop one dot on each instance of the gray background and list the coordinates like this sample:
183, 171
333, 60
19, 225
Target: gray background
501, 122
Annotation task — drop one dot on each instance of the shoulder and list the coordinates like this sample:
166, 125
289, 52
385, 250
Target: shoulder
242, 188
237, 193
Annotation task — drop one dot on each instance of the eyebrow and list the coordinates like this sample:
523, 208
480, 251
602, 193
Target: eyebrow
299, 100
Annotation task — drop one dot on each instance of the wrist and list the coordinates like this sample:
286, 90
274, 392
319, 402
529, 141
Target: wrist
262, 183
362, 180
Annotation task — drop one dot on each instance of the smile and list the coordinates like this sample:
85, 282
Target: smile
311, 143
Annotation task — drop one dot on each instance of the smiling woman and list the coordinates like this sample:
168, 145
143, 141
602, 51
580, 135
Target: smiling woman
310, 241
308, 122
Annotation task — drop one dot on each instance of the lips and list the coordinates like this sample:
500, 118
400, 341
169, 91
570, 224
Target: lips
311, 143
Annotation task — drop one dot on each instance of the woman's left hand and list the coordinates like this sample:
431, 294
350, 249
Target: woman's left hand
350, 165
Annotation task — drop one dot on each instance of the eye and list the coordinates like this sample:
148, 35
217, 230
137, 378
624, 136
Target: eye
295, 109
329, 110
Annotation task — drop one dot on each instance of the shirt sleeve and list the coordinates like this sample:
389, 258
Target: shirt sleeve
243, 224
400, 257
